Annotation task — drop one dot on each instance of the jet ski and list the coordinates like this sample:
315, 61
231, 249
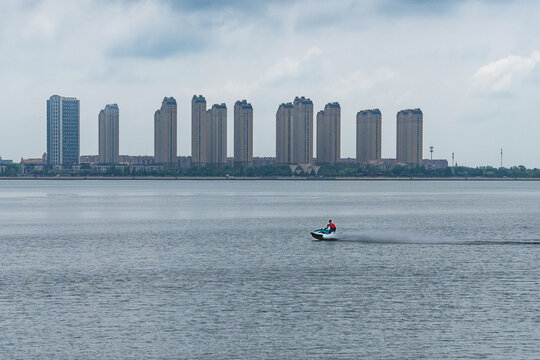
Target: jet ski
323, 234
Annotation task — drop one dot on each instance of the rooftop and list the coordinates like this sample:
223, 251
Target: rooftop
335, 104
303, 100
169, 101
286, 105
199, 99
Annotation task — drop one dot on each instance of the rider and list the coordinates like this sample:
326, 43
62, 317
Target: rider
331, 226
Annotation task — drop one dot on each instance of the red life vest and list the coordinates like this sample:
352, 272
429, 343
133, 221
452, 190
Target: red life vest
332, 226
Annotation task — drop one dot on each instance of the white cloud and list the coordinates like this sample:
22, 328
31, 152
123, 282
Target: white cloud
360, 81
39, 26
290, 66
286, 68
503, 74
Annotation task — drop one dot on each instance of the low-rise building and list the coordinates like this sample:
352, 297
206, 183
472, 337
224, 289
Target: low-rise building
122, 160
33, 165
141, 160
101, 168
435, 164
149, 168
35, 161
5, 162
89, 159
347, 161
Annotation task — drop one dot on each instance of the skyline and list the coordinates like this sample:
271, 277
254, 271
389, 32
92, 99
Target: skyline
474, 74
298, 134
294, 129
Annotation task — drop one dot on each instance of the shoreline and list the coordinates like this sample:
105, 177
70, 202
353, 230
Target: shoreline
266, 178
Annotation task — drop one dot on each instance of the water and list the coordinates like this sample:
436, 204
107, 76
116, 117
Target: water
227, 269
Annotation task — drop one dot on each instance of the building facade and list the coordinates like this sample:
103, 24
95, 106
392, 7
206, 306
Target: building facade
216, 135
198, 131
284, 134
5, 162
109, 134
409, 136
303, 131
165, 135
243, 134
368, 136
329, 134
63, 131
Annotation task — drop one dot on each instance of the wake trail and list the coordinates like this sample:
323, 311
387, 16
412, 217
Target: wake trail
391, 237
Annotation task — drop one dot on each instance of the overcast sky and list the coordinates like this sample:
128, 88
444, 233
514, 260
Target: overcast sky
473, 67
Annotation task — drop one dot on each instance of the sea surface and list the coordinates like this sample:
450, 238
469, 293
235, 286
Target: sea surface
228, 270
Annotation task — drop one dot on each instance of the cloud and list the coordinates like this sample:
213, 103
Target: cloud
359, 81
504, 74
417, 7
205, 5
290, 66
287, 68
157, 46
152, 29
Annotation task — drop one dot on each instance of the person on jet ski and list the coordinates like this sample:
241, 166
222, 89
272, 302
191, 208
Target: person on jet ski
331, 227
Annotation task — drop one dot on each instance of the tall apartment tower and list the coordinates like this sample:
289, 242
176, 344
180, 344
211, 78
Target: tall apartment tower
198, 130
303, 131
368, 135
165, 135
216, 135
329, 134
108, 134
409, 136
208, 135
243, 134
63, 131
284, 134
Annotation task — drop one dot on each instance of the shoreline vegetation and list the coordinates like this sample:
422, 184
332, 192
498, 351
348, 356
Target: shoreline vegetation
277, 178
276, 172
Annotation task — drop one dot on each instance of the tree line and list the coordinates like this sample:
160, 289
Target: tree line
325, 171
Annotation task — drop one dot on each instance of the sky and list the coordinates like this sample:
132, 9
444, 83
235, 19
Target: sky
473, 67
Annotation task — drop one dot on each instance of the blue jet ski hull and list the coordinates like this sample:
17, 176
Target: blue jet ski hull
322, 234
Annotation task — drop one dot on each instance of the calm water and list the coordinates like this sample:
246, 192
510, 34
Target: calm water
228, 270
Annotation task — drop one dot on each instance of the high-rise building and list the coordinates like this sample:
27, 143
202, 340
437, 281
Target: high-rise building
165, 136
321, 129
243, 134
108, 134
198, 130
284, 134
63, 131
329, 134
368, 135
409, 136
216, 135
208, 135
303, 131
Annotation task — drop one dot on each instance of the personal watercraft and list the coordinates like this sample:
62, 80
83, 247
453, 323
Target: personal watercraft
323, 234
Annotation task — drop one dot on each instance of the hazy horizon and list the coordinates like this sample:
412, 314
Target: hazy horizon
471, 66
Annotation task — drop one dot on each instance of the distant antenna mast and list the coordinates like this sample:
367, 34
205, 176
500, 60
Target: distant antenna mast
452, 159
431, 151
501, 157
